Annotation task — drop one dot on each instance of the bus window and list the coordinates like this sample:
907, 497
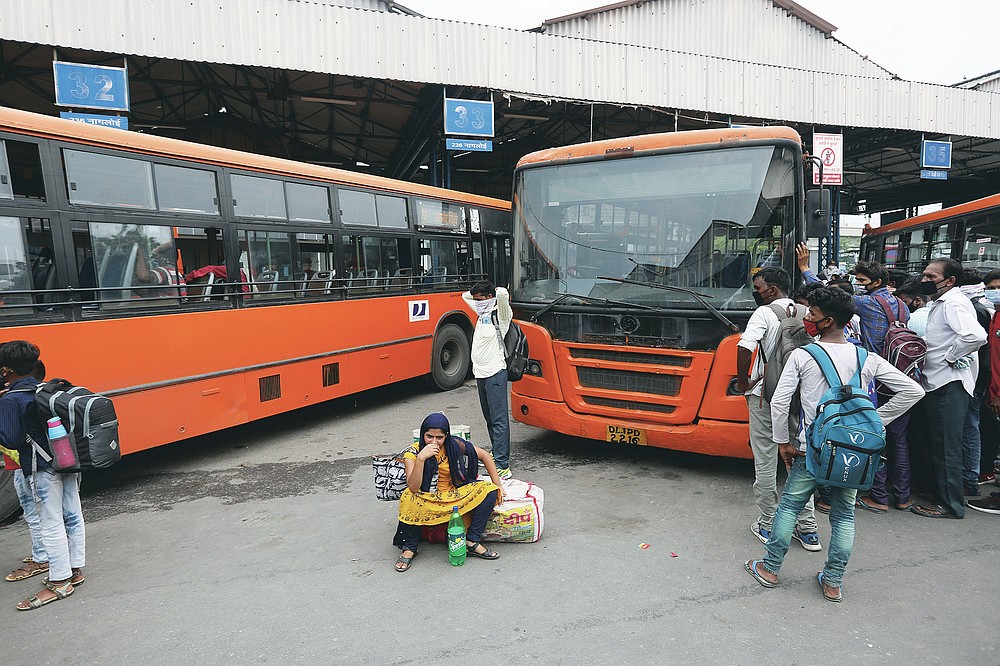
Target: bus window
307, 203
14, 268
940, 240
133, 264
376, 262
185, 190
258, 197
391, 211
20, 171
443, 260
357, 208
891, 252
916, 251
440, 215
981, 250
269, 260
105, 180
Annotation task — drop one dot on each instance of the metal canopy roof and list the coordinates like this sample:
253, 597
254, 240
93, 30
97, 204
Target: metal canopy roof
340, 112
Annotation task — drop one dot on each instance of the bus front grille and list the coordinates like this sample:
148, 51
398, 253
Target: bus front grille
630, 405
630, 357
628, 381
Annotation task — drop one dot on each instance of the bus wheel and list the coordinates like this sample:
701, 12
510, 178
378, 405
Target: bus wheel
8, 495
451, 357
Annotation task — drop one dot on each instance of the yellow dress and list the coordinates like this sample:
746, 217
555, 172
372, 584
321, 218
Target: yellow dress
434, 508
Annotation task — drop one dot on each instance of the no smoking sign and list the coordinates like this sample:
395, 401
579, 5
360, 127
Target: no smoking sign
830, 149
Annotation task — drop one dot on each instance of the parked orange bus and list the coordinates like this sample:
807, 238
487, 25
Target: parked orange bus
204, 288
969, 232
634, 261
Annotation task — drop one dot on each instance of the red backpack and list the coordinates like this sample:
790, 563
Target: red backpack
902, 347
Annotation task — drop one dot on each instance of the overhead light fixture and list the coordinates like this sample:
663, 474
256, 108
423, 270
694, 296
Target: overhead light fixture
362, 164
328, 100
895, 150
524, 116
474, 170
423, 166
163, 126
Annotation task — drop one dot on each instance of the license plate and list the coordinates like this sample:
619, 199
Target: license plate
623, 435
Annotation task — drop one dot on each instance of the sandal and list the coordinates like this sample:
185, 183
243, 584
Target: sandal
751, 567
77, 579
905, 506
868, 504
472, 547
932, 511
826, 595
405, 561
61, 591
31, 568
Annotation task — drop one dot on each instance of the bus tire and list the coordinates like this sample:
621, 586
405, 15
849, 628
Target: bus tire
9, 504
451, 357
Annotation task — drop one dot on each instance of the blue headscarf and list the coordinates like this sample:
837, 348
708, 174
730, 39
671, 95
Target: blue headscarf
462, 458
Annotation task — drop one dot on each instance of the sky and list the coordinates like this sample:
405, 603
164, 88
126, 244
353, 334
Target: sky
919, 40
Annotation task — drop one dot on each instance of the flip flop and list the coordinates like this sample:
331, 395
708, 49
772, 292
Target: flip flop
905, 506
863, 503
932, 511
751, 567
822, 588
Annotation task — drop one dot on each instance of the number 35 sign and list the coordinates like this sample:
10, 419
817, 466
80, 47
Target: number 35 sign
91, 86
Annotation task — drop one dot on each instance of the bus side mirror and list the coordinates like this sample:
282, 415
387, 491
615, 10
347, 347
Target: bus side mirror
817, 213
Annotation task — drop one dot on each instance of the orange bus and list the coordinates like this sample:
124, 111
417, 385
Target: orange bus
969, 232
204, 288
633, 271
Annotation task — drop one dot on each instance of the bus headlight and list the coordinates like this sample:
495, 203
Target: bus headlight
534, 368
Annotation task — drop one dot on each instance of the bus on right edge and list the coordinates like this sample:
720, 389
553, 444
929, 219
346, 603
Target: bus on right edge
632, 279
969, 232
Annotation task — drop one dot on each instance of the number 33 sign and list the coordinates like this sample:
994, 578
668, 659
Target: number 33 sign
91, 86
468, 117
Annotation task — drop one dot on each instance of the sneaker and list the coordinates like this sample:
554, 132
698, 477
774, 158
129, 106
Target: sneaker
760, 533
504, 473
809, 540
987, 478
989, 504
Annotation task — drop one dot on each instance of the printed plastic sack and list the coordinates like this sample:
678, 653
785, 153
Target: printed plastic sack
519, 518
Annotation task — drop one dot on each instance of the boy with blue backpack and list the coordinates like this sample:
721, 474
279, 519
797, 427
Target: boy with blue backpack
841, 438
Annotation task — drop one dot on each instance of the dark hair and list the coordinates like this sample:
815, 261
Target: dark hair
912, 289
805, 290
897, 278
483, 288
872, 270
992, 275
19, 355
774, 276
949, 267
834, 303
39, 371
843, 284
970, 276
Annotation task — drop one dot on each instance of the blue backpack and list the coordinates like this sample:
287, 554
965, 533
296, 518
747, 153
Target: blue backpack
844, 442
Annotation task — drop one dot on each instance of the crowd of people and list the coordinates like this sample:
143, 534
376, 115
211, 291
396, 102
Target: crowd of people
941, 431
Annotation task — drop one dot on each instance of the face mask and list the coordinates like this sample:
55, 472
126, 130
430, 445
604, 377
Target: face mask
812, 327
930, 287
860, 290
483, 308
993, 296
757, 298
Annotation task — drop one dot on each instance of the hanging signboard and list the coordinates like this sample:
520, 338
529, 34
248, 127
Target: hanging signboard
935, 154
119, 122
91, 86
830, 149
468, 117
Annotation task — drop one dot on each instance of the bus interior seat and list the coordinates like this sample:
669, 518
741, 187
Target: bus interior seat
268, 280
401, 278
438, 274
115, 272
735, 268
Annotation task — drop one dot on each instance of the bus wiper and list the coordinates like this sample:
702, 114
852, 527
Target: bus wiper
594, 299
666, 287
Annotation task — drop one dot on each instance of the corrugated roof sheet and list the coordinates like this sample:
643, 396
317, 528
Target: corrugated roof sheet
821, 85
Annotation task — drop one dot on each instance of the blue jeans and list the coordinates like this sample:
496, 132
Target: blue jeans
63, 531
798, 489
972, 444
493, 400
27, 498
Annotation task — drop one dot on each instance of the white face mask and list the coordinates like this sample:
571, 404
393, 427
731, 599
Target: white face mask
483, 308
993, 296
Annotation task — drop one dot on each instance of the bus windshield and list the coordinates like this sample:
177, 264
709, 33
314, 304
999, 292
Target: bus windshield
702, 221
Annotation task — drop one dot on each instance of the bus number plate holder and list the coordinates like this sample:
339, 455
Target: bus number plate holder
624, 435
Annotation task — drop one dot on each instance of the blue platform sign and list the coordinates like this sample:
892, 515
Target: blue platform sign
91, 86
935, 155
472, 145
933, 174
118, 122
468, 117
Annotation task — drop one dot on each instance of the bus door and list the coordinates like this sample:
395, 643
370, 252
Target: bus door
499, 255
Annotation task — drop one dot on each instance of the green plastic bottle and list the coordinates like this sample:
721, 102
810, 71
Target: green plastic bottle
456, 539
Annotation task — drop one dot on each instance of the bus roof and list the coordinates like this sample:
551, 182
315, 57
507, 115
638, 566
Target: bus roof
48, 127
991, 201
648, 142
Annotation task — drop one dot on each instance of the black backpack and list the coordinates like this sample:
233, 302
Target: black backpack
515, 349
89, 418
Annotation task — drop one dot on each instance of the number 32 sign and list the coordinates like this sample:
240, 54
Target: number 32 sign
91, 86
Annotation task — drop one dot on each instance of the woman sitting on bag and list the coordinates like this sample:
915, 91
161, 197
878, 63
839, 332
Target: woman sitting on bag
456, 463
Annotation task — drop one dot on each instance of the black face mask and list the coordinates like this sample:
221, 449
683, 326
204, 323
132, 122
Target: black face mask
757, 298
929, 287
